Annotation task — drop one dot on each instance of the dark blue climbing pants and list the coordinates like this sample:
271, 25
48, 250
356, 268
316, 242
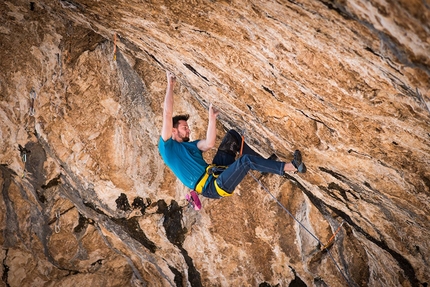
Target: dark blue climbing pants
237, 169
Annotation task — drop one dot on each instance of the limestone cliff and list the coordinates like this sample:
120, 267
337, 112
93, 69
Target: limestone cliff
87, 201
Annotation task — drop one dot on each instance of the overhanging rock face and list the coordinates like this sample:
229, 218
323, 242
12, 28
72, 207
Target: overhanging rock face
87, 200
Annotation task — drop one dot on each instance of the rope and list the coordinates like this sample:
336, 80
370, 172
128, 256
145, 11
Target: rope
304, 227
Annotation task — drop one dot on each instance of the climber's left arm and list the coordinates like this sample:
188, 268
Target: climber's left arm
209, 142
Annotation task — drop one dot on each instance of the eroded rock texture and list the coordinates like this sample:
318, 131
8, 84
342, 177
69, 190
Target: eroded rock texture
87, 201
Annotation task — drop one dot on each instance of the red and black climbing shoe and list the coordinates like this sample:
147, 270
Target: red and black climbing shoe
297, 162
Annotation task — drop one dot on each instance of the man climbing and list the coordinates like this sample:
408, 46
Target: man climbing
184, 157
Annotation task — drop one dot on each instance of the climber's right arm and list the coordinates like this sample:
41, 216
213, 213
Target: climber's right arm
166, 132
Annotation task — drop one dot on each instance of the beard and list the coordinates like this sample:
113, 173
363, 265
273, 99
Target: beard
184, 138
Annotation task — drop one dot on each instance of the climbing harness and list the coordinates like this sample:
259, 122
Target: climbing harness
57, 223
203, 180
304, 227
214, 171
33, 96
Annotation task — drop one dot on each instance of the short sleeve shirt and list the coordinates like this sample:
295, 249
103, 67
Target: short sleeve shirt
184, 159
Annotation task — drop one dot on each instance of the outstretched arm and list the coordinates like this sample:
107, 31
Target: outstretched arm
209, 142
166, 132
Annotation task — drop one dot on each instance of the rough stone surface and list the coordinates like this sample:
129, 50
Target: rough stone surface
87, 201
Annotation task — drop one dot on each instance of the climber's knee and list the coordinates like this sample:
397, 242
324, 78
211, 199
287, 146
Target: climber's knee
231, 142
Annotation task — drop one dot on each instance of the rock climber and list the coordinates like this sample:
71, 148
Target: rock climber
219, 179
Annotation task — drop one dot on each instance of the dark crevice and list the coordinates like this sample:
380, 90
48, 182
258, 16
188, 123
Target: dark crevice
334, 174
100, 261
36, 157
95, 266
82, 224
92, 206
319, 121
129, 45
189, 67
139, 203
5, 275
37, 220
319, 282
297, 281
71, 272
193, 274
329, 192
178, 276
122, 202
342, 191
403, 263
201, 31
371, 51
11, 229
176, 235
53, 182
155, 59
340, 10
172, 222
271, 92
268, 90
132, 227
271, 17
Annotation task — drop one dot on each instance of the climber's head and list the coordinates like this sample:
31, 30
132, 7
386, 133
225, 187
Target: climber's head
181, 131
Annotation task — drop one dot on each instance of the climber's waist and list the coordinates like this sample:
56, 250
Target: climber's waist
212, 171
204, 179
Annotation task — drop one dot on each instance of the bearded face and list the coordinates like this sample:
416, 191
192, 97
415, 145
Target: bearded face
182, 132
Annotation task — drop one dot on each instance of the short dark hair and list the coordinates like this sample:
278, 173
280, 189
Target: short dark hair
178, 118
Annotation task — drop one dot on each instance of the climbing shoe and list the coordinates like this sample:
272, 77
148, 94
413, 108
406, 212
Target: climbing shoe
297, 162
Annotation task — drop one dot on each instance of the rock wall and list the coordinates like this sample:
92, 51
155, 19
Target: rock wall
87, 201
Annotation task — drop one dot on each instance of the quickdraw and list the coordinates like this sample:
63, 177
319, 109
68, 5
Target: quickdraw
33, 96
331, 240
23, 153
114, 47
57, 223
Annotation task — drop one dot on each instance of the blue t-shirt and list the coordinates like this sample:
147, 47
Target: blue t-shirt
184, 159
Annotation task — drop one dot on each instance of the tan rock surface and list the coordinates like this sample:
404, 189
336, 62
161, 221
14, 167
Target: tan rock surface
87, 200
